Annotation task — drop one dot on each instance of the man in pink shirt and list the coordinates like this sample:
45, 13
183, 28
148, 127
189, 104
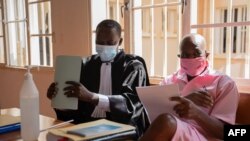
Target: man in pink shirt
208, 99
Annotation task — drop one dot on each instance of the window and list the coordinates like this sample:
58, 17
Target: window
225, 25
28, 33
146, 22
172, 21
239, 14
156, 32
40, 33
2, 50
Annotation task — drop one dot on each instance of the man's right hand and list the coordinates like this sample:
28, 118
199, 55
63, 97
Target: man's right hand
201, 98
52, 90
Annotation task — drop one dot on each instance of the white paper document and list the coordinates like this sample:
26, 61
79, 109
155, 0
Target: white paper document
67, 68
156, 99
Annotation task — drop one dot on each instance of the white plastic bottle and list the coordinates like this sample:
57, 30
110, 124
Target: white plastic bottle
29, 104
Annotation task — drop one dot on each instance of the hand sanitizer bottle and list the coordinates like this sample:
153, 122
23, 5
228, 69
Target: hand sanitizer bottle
29, 104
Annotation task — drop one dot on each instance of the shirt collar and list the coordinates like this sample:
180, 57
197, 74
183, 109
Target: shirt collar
183, 76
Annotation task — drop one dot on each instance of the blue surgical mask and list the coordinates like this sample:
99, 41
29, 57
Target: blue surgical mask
106, 52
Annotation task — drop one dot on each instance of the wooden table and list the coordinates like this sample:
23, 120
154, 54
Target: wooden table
45, 122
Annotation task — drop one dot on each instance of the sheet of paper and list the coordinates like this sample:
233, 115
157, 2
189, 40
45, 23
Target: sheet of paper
156, 99
68, 68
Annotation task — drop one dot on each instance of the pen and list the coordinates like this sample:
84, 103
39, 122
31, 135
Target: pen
58, 125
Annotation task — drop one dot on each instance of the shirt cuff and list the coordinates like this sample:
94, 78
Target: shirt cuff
103, 102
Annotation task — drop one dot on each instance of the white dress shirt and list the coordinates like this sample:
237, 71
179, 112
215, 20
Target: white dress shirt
105, 89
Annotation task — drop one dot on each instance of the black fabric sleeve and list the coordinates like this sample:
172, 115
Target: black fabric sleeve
126, 107
65, 115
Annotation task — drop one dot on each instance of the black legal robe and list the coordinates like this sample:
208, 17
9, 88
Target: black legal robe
128, 72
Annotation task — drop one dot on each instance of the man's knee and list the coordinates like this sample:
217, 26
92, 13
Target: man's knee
162, 129
166, 120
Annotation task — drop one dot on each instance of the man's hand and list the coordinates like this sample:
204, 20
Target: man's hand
76, 89
201, 98
186, 108
52, 90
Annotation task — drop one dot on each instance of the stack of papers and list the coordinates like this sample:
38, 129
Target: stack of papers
94, 130
9, 123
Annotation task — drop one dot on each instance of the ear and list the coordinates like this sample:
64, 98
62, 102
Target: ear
120, 42
207, 54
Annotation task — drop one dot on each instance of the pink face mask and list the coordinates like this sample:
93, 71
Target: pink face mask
193, 66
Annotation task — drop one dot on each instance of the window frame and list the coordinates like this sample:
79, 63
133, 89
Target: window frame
41, 35
28, 37
228, 55
238, 48
3, 35
138, 50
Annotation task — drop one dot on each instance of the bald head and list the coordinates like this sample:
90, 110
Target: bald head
192, 46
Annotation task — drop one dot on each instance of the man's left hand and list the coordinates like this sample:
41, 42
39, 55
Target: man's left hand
76, 89
201, 98
186, 108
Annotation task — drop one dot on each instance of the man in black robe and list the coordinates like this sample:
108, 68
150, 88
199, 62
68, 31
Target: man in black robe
107, 84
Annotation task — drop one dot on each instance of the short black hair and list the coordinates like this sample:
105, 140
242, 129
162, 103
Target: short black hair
109, 23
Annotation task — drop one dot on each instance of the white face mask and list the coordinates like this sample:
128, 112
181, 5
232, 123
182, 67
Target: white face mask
106, 52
